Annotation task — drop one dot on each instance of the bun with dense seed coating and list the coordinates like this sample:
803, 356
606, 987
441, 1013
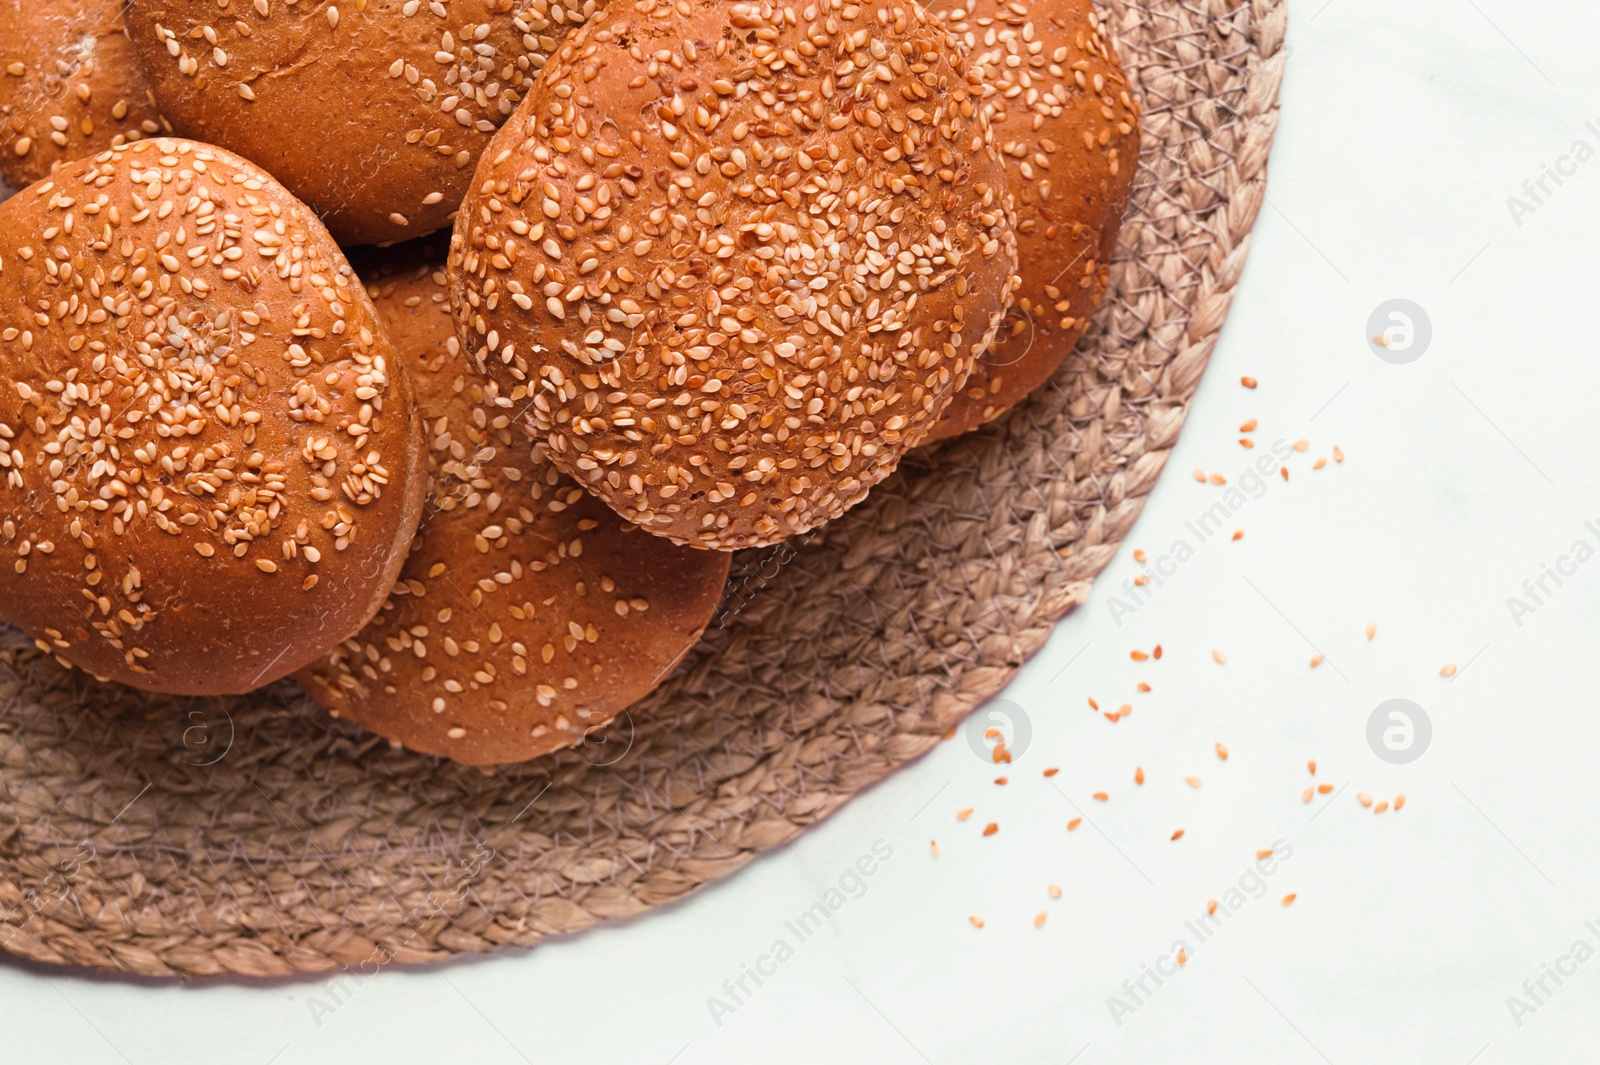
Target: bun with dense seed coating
528, 614
372, 111
1068, 132
731, 260
209, 467
70, 86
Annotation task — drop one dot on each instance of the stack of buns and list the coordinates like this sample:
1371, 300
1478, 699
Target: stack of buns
699, 276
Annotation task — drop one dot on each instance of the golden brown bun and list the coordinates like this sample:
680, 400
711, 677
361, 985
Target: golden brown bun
527, 613
357, 107
713, 261
70, 85
210, 463
1069, 134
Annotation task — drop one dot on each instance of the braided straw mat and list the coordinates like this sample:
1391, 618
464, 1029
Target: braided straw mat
256, 836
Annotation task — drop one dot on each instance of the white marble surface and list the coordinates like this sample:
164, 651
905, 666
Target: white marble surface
1406, 126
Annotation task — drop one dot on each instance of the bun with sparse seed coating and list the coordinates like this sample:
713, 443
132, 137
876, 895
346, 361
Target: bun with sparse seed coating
527, 614
373, 112
1068, 131
70, 86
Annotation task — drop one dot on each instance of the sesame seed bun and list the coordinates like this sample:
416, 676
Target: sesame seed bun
70, 85
209, 464
372, 111
527, 613
730, 261
1068, 132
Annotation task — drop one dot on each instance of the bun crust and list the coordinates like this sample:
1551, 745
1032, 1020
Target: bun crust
527, 613
731, 260
70, 85
374, 113
209, 469
1068, 131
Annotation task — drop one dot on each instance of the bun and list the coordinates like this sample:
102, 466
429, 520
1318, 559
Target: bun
527, 613
208, 467
731, 260
70, 85
1068, 131
373, 112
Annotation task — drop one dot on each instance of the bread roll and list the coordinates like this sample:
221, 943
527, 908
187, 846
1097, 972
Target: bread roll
372, 111
527, 613
1069, 134
70, 85
731, 260
209, 469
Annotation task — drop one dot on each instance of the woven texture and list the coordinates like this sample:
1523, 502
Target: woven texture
256, 836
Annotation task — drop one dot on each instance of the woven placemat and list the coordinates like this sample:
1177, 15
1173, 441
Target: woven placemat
256, 836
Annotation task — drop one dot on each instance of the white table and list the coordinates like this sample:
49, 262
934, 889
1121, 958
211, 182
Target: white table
1405, 128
